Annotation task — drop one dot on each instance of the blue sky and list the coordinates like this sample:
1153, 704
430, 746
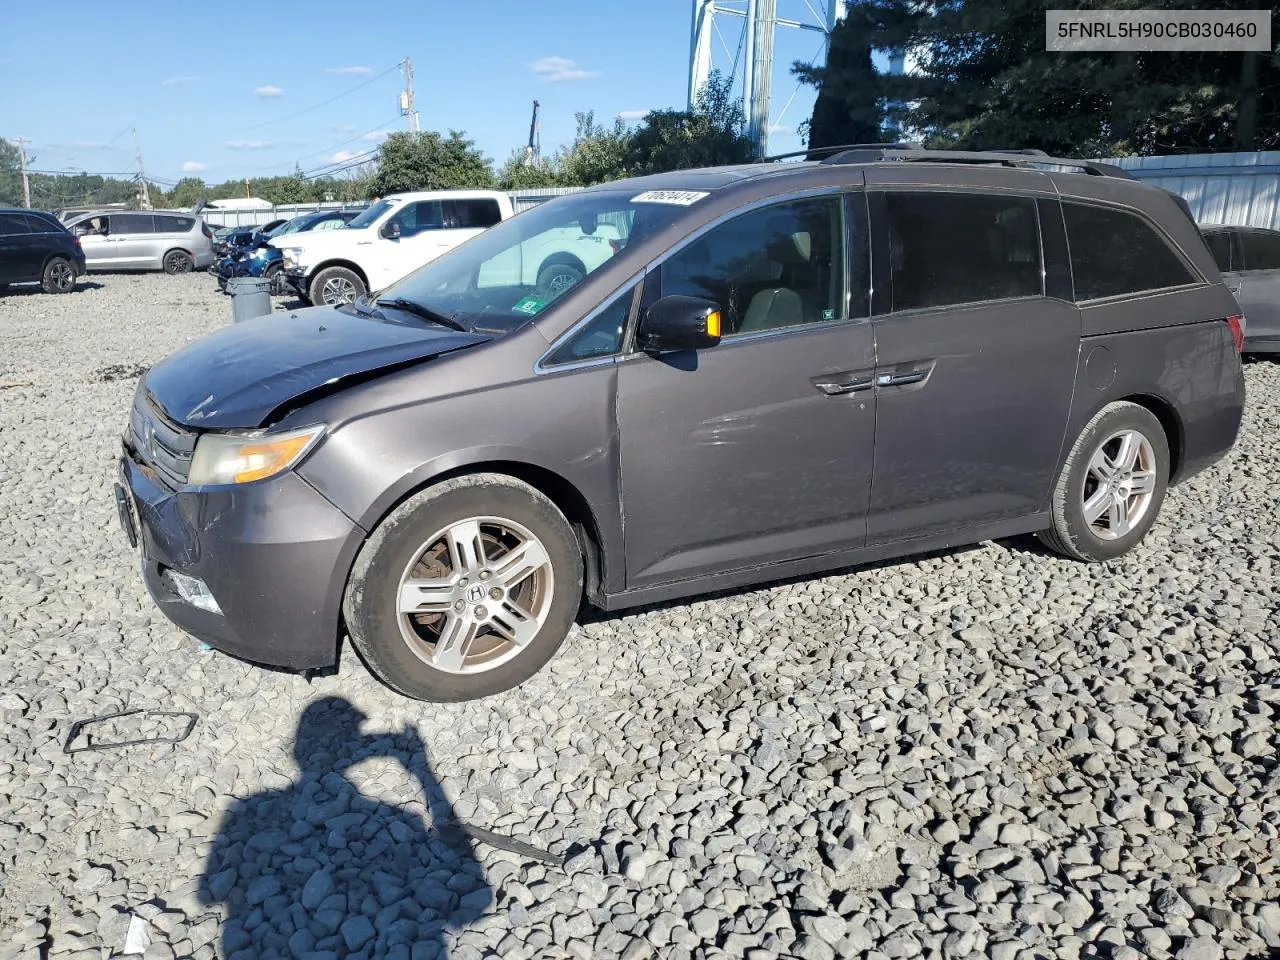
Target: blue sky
234, 90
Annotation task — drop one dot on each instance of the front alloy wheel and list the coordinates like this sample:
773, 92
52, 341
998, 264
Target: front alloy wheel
465, 590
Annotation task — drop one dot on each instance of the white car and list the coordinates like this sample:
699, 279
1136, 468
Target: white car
402, 232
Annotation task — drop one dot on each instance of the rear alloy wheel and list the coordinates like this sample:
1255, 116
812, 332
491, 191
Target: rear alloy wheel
335, 286
178, 261
59, 276
1112, 485
465, 590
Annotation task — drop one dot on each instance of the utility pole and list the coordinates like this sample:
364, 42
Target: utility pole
144, 194
406, 98
26, 182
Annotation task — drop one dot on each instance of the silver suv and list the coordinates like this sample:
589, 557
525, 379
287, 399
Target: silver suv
140, 240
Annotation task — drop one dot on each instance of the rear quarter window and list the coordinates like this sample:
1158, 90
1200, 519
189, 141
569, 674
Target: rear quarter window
1261, 249
1219, 244
13, 223
1114, 253
168, 224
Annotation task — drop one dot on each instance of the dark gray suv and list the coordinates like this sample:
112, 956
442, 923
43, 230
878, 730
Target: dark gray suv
780, 369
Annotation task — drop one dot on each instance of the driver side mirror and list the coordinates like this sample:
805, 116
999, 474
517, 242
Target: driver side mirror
391, 230
680, 323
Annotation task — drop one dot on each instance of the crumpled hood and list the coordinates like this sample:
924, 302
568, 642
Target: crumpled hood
236, 377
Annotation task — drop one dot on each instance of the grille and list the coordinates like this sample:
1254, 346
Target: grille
160, 443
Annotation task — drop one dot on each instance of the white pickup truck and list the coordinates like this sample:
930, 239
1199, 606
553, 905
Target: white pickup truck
401, 232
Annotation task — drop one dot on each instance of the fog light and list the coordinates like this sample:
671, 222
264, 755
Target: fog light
194, 592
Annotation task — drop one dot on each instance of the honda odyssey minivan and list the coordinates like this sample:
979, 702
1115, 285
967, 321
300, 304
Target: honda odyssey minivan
781, 369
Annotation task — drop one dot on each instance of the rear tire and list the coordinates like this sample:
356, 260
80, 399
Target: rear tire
436, 618
59, 276
1112, 485
334, 286
560, 276
178, 261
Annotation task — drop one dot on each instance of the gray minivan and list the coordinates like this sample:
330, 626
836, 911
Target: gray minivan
141, 240
782, 369
1249, 258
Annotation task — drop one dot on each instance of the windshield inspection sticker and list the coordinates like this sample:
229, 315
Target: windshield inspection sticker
681, 198
529, 305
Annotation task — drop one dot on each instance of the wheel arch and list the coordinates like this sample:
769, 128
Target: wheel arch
338, 262
562, 256
177, 249
568, 499
1174, 431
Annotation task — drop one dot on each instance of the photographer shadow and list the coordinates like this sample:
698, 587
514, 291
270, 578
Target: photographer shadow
319, 867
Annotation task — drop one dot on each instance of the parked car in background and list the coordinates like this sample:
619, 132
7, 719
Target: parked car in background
142, 240
36, 248
256, 258
1249, 258
783, 369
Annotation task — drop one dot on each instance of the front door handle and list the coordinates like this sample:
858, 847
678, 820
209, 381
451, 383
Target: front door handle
834, 389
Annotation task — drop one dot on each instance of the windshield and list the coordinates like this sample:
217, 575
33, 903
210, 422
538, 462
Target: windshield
295, 225
515, 270
371, 214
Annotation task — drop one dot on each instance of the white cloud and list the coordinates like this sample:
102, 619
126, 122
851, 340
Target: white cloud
194, 166
629, 115
250, 144
555, 69
350, 71
781, 130
376, 136
177, 81
344, 155
270, 90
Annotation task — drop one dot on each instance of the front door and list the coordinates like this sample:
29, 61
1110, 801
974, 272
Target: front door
975, 366
757, 450
422, 239
96, 242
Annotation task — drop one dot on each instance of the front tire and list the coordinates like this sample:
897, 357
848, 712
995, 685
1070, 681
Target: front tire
464, 590
1112, 485
335, 286
559, 277
178, 261
59, 276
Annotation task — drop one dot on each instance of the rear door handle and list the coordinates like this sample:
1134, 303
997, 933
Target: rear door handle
900, 379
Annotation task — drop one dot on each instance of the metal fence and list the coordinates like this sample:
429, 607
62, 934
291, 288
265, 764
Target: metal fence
1242, 189
260, 215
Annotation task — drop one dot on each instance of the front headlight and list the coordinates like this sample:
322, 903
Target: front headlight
292, 256
244, 457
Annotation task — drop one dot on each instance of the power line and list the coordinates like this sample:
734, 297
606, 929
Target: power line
332, 146
323, 103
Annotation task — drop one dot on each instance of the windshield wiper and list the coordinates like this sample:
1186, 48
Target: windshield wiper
418, 310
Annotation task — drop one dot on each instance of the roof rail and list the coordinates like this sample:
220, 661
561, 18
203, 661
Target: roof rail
1009, 158
837, 148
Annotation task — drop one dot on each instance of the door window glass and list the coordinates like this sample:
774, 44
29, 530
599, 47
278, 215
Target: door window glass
473, 214
131, 223
775, 267
1261, 249
601, 337
92, 226
167, 224
1219, 244
40, 223
417, 217
1114, 253
13, 223
950, 248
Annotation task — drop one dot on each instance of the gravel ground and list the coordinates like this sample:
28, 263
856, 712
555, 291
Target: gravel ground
990, 752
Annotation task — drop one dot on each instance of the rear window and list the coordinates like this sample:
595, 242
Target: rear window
167, 224
132, 223
1115, 253
43, 223
1219, 244
1261, 250
12, 223
951, 248
480, 212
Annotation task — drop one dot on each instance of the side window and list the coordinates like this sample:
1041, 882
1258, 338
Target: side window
167, 224
334, 224
951, 248
13, 223
778, 266
417, 217
1219, 244
132, 223
1261, 249
41, 224
92, 226
472, 214
601, 337
1114, 253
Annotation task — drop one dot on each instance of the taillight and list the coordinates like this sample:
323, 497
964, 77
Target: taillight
204, 227
77, 240
1236, 324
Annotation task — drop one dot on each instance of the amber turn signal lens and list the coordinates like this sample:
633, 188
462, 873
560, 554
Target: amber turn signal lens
713, 323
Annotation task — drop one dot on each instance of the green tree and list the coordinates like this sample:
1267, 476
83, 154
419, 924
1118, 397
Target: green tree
597, 154
428, 161
10, 175
187, 192
850, 104
712, 134
517, 174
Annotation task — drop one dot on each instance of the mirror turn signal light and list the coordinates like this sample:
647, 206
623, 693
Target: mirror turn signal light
713, 323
